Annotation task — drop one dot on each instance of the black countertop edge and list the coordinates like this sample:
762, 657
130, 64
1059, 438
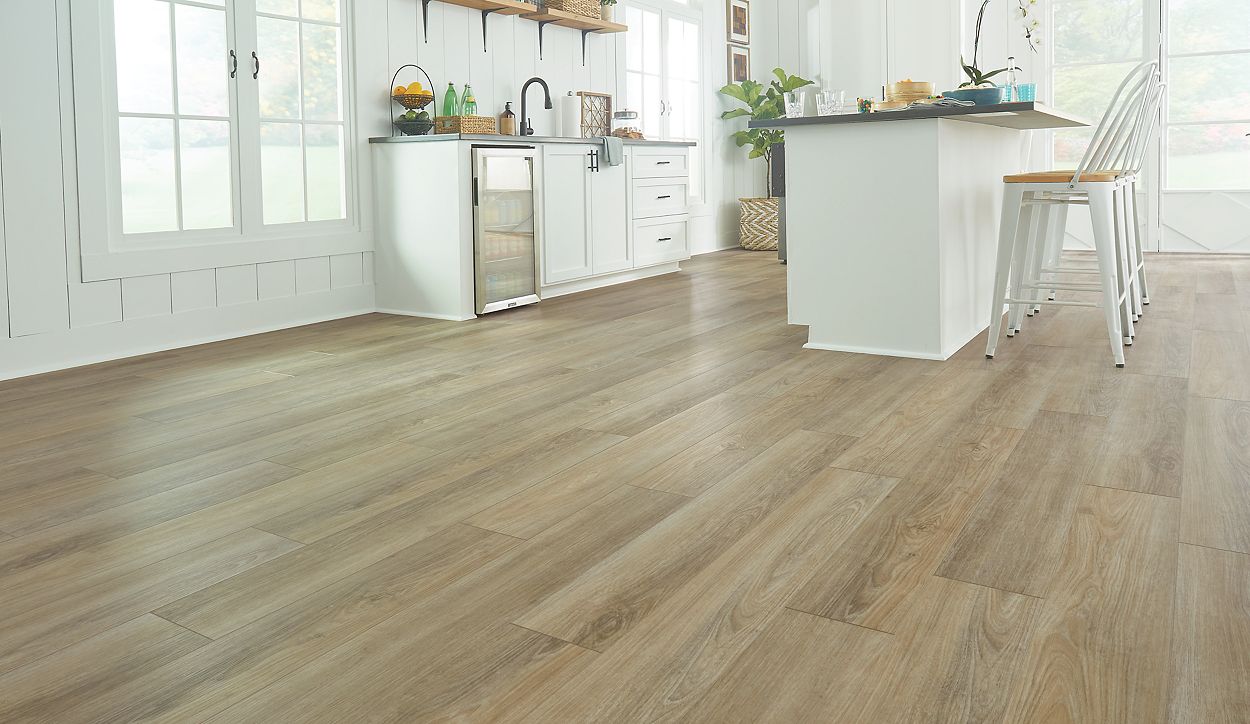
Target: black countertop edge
910, 114
513, 140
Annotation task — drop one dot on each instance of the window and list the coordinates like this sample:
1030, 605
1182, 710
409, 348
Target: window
222, 120
1208, 111
664, 79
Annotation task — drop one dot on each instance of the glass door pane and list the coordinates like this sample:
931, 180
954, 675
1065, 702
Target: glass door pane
505, 228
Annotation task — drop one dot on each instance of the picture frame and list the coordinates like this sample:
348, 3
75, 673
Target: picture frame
739, 63
738, 21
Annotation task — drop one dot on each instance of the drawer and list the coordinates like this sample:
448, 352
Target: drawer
663, 199
655, 165
660, 242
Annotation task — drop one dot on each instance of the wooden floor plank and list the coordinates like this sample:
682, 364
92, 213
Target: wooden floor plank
1144, 446
1101, 648
1210, 673
1215, 494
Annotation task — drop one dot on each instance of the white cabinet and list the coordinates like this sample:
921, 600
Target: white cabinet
566, 230
660, 240
609, 220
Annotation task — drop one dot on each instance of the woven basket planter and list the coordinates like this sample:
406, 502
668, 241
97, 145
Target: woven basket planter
759, 226
585, 8
465, 124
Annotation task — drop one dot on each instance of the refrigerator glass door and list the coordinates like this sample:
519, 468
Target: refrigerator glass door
503, 217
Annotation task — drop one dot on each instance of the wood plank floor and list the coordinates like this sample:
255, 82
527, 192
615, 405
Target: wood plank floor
642, 503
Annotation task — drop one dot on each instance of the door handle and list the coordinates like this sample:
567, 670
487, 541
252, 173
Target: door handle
665, 196
594, 161
663, 238
665, 163
255, 65
234, 63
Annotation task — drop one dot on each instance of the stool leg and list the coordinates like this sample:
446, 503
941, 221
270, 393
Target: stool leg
1037, 250
1141, 257
1009, 223
1132, 243
1102, 213
1026, 238
1126, 303
1058, 235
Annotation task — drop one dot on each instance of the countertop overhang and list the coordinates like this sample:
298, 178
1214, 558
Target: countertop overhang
1024, 116
513, 140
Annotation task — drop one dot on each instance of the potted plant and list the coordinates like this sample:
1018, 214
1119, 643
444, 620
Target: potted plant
759, 224
606, 8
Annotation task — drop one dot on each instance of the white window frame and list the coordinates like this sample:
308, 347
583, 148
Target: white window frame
690, 12
106, 255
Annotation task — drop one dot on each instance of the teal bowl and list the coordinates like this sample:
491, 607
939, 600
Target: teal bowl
979, 96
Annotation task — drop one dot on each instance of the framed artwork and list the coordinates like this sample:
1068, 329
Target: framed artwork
740, 21
739, 63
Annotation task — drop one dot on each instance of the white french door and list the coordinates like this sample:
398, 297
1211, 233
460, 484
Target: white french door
664, 78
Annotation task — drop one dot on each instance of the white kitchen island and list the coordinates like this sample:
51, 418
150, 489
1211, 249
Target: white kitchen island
892, 223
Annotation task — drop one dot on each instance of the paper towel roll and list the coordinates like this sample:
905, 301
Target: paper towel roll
571, 116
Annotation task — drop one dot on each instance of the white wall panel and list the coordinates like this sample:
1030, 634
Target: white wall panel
4, 276
346, 270
30, 123
95, 303
312, 275
275, 280
368, 267
193, 290
236, 285
146, 297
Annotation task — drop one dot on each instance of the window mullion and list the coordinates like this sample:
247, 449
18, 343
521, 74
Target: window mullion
173, 79
247, 117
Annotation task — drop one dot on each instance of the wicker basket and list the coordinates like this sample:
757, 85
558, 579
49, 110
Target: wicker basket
759, 224
414, 101
465, 124
585, 8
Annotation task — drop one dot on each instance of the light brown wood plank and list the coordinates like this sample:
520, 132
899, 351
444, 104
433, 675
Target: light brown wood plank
1218, 365
1215, 493
52, 688
614, 596
1014, 532
1210, 673
1144, 446
1100, 652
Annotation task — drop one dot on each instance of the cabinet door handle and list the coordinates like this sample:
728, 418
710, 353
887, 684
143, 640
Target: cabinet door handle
663, 238
665, 196
234, 64
665, 163
255, 65
594, 161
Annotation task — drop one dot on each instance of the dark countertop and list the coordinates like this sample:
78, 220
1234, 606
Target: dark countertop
497, 138
1022, 116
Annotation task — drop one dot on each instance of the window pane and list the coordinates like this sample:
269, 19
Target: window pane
321, 73
278, 7
1200, 26
633, 39
1209, 157
324, 153
650, 115
149, 195
1210, 88
1087, 31
327, 10
202, 69
651, 42
1088, 90
207, 194
278, 42
282, 173
144, 67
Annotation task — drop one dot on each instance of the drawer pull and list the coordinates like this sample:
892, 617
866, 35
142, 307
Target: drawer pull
662, 163
665, 196
663, 238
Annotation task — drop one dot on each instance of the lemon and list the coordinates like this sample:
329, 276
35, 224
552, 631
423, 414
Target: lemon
399, 90
415, 89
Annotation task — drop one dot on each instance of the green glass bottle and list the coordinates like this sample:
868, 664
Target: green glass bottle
470, 103
451, 107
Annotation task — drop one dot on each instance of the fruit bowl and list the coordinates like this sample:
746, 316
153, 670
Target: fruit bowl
414, 101
414, 128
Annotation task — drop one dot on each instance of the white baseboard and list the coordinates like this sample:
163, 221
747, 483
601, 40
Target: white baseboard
606, 280
36, 354
877, 352
424, 315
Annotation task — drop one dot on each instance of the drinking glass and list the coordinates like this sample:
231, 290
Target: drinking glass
1026, 92
795, 100
830, 103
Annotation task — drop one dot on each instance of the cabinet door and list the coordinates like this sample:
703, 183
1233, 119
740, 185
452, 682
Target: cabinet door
609, 220
566, 213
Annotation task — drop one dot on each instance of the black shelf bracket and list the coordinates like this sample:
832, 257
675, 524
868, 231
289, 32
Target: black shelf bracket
542, 24
425, 18
584, 34
486, 14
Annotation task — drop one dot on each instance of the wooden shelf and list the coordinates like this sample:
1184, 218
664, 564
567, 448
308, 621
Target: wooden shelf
572, 20
499, 7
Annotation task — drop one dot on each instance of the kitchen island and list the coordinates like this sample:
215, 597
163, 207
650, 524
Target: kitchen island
892, 223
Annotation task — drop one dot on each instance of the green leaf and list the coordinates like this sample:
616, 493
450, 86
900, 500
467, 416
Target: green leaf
991, 74
734, 90
735, 113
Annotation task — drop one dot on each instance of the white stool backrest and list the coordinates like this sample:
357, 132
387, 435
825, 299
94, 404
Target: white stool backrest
1113, 139
1150, 122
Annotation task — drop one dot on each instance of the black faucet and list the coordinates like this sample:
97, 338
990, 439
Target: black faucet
527, 125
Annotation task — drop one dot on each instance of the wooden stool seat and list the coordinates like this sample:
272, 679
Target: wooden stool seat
1060, 177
